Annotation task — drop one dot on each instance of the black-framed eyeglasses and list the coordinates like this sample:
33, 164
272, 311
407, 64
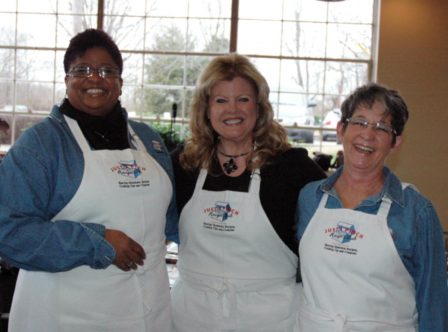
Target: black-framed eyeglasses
85, 71
379, 127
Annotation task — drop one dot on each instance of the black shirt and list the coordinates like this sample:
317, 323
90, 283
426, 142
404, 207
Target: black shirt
108, 132
281, 181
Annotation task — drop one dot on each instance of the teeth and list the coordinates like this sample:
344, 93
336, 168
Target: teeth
95, 91
232, 121
364, 148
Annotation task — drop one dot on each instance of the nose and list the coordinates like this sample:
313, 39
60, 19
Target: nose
232, 105
368, 132
95, 73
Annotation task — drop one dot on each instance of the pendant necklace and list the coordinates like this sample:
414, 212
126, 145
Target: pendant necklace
230, 165
103, 136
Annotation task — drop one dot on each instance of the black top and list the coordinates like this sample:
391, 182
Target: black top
108, 132
281, 181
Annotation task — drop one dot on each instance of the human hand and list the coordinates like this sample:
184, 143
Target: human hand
129, 253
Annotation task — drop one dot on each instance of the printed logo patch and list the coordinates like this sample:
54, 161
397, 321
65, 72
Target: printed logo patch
343, 233
128, 169
132, 171
219, 215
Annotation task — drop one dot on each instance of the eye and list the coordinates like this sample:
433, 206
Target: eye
81, 70
108, 71
220, 100
244, 99
359, 122
384, 128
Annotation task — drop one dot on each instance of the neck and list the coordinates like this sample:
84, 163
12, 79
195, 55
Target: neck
354, 189
232, 148
234, 156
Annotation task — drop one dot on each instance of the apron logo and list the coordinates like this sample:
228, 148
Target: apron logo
343, 233
221, 211
128, 169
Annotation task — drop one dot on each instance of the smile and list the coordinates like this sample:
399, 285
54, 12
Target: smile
233, 121
364, 149
95, 91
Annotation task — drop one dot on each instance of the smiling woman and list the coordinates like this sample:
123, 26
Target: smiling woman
239, 177
383, 241
92, 168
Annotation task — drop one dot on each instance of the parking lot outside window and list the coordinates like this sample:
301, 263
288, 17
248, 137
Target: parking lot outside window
312, 53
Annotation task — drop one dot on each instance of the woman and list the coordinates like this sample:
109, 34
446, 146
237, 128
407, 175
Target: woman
238, 180
371, 249
84, 199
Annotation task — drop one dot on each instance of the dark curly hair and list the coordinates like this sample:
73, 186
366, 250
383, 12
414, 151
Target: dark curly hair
88, 39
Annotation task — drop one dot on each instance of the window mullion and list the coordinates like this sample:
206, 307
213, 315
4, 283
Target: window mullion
234, 26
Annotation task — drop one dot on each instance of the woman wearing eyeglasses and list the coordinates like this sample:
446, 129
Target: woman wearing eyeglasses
371, 249
86, 204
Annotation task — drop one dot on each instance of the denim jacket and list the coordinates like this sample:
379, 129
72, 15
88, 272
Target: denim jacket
417, 235
38, 177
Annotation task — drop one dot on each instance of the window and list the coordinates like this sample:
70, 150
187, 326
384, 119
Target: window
312, 53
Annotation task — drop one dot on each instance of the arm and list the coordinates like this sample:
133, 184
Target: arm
36, 183
306, 207
430, 275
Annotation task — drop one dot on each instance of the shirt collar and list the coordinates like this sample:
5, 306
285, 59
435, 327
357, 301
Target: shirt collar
392, 187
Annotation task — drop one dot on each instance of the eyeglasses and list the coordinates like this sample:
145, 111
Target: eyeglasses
87, 71
379, 127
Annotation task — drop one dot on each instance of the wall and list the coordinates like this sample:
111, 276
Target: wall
413, 58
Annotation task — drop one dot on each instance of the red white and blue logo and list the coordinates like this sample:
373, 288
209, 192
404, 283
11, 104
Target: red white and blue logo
129, 169
221, 211
344, 233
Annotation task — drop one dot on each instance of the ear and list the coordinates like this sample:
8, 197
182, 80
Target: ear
398, 142
340, 130
121, 85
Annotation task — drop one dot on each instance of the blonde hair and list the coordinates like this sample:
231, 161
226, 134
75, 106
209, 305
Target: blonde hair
269, 136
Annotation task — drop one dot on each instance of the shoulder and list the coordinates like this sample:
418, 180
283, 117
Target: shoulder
294, 162
421, 206
181, 174
151, 139
289, 158
404, 194
144, 131
47, 137
294, 155
312, 190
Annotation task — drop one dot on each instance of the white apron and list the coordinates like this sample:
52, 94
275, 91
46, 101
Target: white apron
236, 274
125, 190
353, 276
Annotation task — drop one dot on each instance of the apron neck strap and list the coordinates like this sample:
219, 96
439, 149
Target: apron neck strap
77, 133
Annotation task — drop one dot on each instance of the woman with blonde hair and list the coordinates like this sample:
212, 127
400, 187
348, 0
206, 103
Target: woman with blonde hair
237, 182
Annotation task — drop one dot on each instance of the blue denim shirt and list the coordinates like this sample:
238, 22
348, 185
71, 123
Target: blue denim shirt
417, 235
38, 177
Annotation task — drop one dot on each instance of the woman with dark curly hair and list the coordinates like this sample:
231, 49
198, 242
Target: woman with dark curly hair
237, 182
84, 201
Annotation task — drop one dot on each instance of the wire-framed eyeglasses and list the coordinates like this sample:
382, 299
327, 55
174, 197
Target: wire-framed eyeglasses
85, 71
379, 127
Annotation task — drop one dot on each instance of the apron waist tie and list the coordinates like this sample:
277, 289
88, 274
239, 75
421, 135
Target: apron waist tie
341, 322
227, 289
219, 284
